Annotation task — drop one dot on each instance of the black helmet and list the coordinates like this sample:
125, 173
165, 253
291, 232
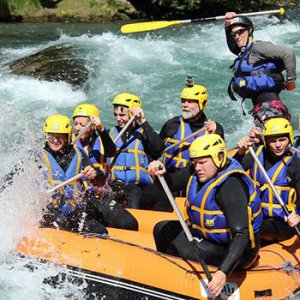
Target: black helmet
241, 20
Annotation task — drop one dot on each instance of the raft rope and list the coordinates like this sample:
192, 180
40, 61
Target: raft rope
286, 265
160, 254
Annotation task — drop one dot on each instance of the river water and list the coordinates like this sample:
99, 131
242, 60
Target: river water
152, 65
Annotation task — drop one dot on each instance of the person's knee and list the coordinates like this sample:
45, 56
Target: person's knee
93, 226
129, 223
133, 196
164, 232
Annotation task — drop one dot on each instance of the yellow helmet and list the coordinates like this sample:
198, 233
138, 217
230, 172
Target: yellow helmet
86, 110
58, 124
196, 92
209, 145
278, 126
128, 100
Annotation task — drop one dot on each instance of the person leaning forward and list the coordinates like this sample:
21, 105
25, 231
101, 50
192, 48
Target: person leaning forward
194, 100
137, 146
283, 168
257, 71
222, 206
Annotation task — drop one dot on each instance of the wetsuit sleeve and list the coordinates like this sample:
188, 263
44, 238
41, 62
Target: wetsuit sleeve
233, 200
108, 144
169, 128
178, 180
220, 130
152, 142
232, 45
245, 160
113, 213
269, 51
293, 176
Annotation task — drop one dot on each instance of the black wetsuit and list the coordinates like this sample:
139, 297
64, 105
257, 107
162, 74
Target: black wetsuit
100, 211
171, 127
275, 229
108, 144
232, 196
147, 196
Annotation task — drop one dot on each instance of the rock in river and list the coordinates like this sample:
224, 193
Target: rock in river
56, 63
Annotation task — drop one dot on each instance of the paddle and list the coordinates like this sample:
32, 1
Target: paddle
82, 131
124, 129
59, 186
295, 149
154, 25
275, 192
185, 139
185, 228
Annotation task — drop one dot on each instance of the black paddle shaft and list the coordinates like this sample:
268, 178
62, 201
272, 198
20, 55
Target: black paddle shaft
193, 244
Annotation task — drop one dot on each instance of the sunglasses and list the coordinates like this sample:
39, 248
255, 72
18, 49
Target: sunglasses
238, 32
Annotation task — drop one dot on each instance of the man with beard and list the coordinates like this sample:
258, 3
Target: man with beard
194, 100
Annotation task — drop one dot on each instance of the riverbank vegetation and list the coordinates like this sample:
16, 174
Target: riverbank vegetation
65, 10
101, 10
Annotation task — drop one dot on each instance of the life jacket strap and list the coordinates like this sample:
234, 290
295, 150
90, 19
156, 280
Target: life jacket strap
230, 92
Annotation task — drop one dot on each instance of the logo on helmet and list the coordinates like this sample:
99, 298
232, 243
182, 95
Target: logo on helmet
55, 127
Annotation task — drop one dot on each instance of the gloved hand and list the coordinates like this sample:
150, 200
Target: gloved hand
290, 85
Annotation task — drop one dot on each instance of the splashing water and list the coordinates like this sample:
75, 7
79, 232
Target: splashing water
152, 65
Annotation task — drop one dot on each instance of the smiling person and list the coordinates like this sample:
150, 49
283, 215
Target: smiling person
283, 168
96, 142
257, 71
63, 161
222, 207
137, 146
194, 100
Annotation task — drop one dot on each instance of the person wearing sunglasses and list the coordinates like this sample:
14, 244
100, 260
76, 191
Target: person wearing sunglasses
257, 70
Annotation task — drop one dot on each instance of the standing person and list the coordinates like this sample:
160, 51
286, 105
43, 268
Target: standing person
222, 207
283, 168
138, 145
96, 142
257, 71
194, 99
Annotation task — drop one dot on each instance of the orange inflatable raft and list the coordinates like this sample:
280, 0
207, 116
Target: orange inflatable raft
126, 265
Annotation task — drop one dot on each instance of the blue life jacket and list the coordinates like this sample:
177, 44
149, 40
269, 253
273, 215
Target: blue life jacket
131, 162
64, 200
251, 80
205, 215
96, 154
178, 157
278, 176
